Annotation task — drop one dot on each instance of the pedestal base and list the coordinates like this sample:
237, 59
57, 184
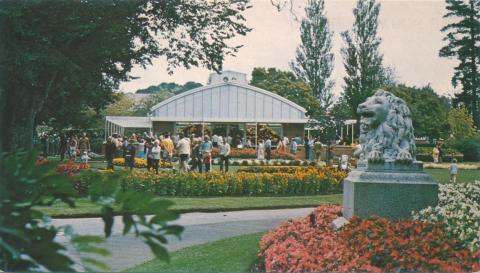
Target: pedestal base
392, 195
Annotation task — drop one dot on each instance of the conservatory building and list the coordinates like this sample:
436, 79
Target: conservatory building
226, 106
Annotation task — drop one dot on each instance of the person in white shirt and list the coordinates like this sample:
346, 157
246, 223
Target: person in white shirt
215, 141
285, 141
224, 155
183, 150
155, 154
453, 171
220, 139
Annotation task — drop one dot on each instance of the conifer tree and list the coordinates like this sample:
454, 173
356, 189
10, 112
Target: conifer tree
362, 58
314, 58
463, 37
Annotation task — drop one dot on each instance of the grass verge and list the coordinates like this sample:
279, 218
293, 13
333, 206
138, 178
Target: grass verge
204, 204
463, 176
236, 254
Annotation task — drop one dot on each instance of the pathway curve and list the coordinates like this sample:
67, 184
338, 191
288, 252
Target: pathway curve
200, 228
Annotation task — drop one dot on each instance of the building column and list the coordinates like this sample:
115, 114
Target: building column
256, 134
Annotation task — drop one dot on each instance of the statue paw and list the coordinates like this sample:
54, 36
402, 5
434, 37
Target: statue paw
375, 156
404, 156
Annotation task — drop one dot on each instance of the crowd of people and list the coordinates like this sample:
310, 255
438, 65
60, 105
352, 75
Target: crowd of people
190, 150
198, 150
156, 149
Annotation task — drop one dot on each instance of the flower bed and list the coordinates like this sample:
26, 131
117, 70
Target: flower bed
140, 163
459, 209
310, 244
310, 181
275, 162
70, 168
273, 169
252, 153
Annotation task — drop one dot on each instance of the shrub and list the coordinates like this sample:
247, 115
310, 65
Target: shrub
470, 147
29, 239
310, 244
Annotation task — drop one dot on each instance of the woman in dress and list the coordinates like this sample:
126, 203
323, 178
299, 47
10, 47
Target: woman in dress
260, 150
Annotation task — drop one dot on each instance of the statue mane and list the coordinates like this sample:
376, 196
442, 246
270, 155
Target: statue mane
386, 131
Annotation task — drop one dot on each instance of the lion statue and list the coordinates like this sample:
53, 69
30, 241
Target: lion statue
386, 131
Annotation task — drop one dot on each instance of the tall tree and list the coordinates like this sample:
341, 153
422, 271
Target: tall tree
61, 56
463, 37
461, 124
362, 58
314, 58
429, 110
285, 84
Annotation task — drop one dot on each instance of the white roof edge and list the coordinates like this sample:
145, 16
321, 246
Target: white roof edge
226, 120
126, 117
201, 88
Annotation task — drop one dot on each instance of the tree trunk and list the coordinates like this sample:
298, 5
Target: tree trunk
475, 112
17, 120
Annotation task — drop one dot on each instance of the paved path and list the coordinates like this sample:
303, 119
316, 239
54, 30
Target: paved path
200, 228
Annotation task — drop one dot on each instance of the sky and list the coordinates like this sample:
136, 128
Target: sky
409, 29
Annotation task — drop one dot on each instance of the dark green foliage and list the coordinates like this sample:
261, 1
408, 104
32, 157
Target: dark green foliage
463, 37
287, 85
28, 238
470, 147
429, 110
169, 87
61, 57
314, 58
361, 56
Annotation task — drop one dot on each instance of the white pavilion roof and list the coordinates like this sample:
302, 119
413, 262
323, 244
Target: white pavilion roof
228, 101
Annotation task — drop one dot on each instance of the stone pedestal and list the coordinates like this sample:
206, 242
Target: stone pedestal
388, 190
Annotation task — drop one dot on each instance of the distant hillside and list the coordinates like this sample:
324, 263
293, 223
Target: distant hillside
170, 87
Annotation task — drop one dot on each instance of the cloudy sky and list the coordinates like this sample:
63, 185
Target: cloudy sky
410, 32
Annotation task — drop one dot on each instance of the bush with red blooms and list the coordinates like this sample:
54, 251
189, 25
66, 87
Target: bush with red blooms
40, 161
70, 168
310, 244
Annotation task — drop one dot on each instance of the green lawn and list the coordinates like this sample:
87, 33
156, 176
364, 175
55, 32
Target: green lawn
206, 204
464, 176
237, 254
